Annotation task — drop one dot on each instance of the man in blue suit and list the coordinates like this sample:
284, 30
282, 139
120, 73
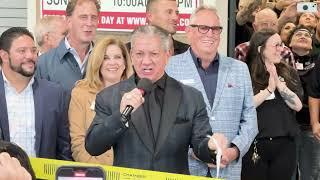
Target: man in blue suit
33, 112
226, 88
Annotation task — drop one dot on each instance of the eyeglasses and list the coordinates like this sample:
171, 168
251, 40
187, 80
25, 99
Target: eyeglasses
279, 45
303, 34
203, 29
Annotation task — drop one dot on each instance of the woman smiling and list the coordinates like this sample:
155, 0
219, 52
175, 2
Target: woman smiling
109, 63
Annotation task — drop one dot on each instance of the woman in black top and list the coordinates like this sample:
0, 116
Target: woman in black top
277, 90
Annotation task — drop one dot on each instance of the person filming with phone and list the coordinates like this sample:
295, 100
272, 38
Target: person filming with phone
304, 13
153, 131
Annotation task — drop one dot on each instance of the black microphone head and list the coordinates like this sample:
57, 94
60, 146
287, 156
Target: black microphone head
145, 85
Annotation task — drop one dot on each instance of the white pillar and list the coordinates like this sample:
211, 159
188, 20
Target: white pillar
31, 14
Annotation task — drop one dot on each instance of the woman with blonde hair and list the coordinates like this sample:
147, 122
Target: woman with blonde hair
109, 63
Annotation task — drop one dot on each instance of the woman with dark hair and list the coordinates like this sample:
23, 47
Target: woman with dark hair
15, 151
285, 32
277, 90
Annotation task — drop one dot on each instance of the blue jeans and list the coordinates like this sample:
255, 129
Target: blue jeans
308, 156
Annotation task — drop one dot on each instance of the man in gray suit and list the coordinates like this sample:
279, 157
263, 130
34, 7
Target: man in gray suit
163, 124
226, 88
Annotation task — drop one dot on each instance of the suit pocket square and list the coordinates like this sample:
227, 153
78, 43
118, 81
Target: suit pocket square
181, 121
231, 85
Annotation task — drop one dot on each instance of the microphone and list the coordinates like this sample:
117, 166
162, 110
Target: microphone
145, 86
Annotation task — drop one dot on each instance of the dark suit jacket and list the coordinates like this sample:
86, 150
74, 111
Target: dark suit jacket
179, 47
51, 120
184, 122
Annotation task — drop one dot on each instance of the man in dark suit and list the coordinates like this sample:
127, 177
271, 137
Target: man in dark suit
163, 124
165, 14
33, 111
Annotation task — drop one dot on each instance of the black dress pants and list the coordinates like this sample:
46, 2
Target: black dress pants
277, 160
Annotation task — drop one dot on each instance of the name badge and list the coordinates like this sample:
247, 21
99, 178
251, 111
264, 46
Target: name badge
93, 105
299, 66
187, 81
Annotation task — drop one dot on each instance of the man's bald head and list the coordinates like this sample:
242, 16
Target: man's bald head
266, 18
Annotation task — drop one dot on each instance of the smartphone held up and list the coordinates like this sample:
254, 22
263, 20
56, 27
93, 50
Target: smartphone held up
303, 7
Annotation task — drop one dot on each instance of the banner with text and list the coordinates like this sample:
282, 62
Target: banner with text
121, 15
46, 169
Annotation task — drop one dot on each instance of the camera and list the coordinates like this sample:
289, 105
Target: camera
307, 7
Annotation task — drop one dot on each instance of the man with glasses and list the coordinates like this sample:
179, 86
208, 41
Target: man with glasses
225, 85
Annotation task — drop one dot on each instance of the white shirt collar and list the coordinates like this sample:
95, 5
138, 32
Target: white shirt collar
68, 46
6, 81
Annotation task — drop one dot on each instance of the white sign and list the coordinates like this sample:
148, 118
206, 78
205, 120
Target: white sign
122, 15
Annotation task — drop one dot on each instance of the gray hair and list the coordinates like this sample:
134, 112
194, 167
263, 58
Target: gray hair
202, 8
165, 38
45, 25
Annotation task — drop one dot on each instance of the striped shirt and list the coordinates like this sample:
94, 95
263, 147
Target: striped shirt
21, 116
82, 65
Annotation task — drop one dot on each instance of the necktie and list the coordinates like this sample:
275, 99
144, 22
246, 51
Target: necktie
155, 113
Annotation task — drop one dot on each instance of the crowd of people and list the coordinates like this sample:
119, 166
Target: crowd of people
290, 127
159, 104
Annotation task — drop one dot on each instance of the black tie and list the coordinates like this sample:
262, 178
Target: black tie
155, 113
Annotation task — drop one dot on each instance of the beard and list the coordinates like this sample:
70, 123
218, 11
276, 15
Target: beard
19, 69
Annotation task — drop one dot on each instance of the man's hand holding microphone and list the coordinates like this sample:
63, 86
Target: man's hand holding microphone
133, 99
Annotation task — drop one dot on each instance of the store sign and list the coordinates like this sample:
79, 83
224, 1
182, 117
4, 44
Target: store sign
121, 15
